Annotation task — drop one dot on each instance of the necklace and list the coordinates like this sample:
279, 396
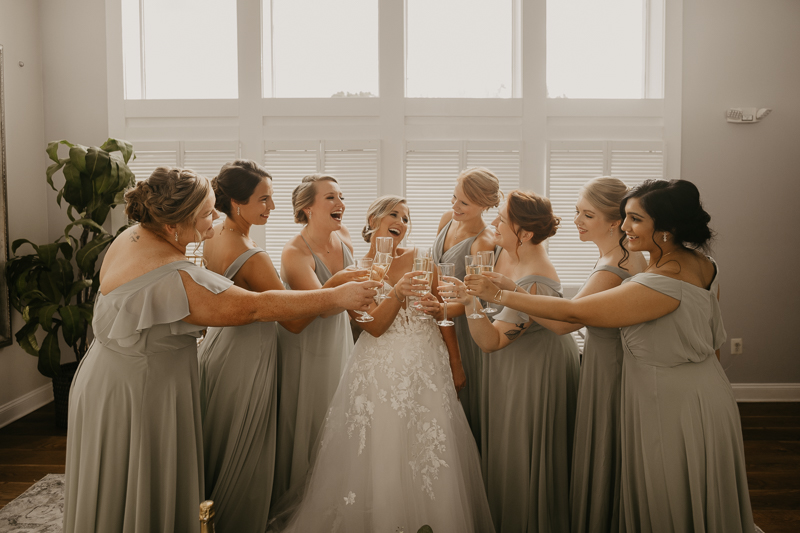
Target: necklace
312, 240
608, 252
236, 232
662, 257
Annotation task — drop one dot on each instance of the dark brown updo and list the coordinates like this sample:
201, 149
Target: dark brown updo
170, 196
237, 181
530, 212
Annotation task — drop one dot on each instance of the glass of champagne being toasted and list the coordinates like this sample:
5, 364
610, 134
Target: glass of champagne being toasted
473, 266
487, 265
383, 250
446, 270
423, 263
366, 263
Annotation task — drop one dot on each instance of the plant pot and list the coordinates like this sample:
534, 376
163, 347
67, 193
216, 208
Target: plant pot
61, 385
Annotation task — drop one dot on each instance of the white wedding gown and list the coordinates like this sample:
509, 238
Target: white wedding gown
395, 452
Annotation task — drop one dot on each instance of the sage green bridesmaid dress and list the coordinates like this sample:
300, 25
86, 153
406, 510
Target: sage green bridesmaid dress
683, 463
596, 455
471, 355
134, 461
239, 408
309, 367
530, 389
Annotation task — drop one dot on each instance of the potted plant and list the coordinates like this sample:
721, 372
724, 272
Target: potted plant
55, 286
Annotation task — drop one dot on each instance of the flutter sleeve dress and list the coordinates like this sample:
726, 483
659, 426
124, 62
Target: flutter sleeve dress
683, 463
596, 455
310, 364
134, 459
239, 408
529, 398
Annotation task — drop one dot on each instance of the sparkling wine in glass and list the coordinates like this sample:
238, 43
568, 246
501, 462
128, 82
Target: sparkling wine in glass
487, 265
424, 264
473, 266
446, 269
365, 263
383, 247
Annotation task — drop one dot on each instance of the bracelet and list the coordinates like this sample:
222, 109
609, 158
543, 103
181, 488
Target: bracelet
516, 287
498, 297
398, 298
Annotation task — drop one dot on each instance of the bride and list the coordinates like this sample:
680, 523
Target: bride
395, 452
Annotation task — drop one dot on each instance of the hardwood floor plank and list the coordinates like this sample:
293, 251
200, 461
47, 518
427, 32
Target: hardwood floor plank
28, 473
769, 408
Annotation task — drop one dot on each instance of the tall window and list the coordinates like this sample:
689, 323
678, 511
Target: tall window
459, 49
604, 49
320, 49
179, 49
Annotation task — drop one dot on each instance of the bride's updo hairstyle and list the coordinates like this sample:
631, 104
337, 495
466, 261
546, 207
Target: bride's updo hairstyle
481, 186
528, 211
605, 194
237, 181
379, 209
675, 207
170, 196
304, 194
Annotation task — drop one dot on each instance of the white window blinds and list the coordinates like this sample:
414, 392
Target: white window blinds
569, 166
431, 172
353, 164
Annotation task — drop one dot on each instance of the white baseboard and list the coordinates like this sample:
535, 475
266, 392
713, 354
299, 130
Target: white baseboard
26, 404
766, 392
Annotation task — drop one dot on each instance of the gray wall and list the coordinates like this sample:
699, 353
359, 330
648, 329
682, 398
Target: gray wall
20, 35
740, 53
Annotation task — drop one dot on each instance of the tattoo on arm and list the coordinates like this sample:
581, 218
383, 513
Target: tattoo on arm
516, 331
134, 236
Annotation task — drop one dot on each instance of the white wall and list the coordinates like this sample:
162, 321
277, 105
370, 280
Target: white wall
22, 388
739, 53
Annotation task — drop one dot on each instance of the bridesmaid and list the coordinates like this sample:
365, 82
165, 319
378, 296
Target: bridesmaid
683, 459
134, 460
461, 233
596, 461
238, 365
530, 381
311, 363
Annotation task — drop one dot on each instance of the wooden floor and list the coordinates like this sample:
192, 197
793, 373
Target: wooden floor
31, 447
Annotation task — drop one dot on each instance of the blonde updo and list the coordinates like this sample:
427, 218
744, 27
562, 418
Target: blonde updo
605, 194
304, 194
379, 209
481, 186
170, 196
530, 212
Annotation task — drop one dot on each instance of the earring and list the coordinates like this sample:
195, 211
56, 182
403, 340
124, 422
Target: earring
611, 231
176, 236
309, 213
239, 211
664, 236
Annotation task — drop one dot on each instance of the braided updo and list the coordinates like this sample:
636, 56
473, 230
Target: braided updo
170, 196
481, 186
530, 212
675, 207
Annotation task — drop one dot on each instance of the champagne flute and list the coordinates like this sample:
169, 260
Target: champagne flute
365, 263
383, 245
487, 265
423, 262
381, 265
446, 269
473, 266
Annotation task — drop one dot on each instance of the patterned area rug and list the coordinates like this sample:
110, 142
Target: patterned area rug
40, 508
37, 510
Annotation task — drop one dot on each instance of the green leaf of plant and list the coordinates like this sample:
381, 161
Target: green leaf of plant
48, 285
63, 276
425, 529
87, 255
51, 170
50, 355
88, 223
48, 253
73, 324
19, 242
77, 190
52, 149
113, 145
77, 154
77, 287
100, 214
66, 249
97, 161
26, 338
46, 316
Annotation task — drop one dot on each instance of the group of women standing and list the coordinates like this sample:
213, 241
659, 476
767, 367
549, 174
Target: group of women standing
290, 426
